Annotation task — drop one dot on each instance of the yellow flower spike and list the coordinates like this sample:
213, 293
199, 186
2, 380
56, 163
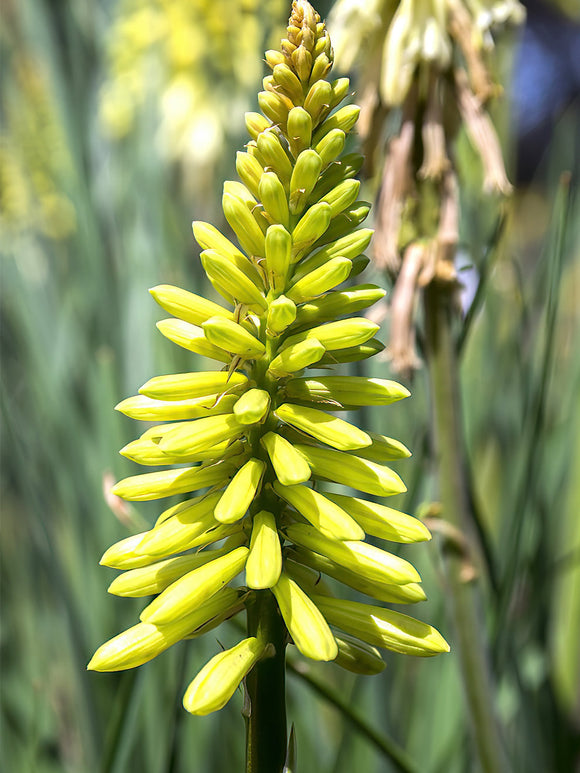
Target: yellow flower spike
281, 314
244, 225
306, 624
409, 593
166, 483
187, 306
290, 467
273, 196
152, 579
321, 280
190, 591
304, 177
296, 357
256, 123
233, 338
357, 656
180, 527
342, 196
191, 337
350, 470
122, 554
252, 407
278, 255
219, 679
324, 427
228, 277
264, 563
370, 562
240, 492
149, 409
323, 514
275, 156
145, 641
201, 434
383, 627
383, 522
338, 303
183, 386
347, 390
337, 335
299, 130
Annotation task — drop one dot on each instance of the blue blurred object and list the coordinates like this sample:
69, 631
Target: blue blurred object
546, 83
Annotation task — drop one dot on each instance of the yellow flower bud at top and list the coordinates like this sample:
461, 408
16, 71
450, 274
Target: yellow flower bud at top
288, 82
317, 101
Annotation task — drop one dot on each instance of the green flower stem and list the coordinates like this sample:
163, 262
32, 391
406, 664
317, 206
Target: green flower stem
266, 685
441, 357
388, 748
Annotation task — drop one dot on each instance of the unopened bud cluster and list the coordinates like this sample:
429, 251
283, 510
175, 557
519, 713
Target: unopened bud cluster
257, 435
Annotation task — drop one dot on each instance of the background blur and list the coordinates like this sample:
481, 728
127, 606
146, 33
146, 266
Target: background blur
120, 121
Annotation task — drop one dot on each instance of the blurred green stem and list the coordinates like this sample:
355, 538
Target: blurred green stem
448, 438
266, 690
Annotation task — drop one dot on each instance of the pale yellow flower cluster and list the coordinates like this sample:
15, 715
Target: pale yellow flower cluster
260, 438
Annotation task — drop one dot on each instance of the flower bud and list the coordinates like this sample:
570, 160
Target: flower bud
302, 62
343, 223
323, 514
344, 119
243, 224
337, 335
188, 306
240, 492
352, 471
275, 156
252, 407
281, 314
288, 82
227, 276
122, 554
166, 483
273, 197
296, 357
274, 57
347, 390
304, 178
289, 466
331, 146
191, 337
326, 428
180, 386
278, 255
264, 563
357, 656
320, 68
231, 337
307, 626
348, 166
275, 107
310, 227
384, 449
147, 409
317, 282
250, 171
317, 101
348, 247
340, 89
339, 303
192, 436
219, 679
188, 592
342, 196
381, 521
256, 123
299, 130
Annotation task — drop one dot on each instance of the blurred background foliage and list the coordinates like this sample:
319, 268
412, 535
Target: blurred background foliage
120, 121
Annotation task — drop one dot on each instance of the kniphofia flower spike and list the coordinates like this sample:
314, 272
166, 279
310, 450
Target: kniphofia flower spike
251, 440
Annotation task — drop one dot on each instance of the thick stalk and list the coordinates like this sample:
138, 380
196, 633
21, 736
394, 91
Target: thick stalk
463, 601
266, 690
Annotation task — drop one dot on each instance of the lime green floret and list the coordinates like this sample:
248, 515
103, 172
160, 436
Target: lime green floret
255, 432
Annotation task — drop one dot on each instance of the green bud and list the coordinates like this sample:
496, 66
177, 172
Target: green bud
275, 156
317, 101
383, 627
347, 390
209, 238
192, 436
289, 466
302, 62
256, 123
353, 353
240, 492
317, 282
188, 306
273, 197
320, 68
381, 521
147, 409
337, 335
349, 246
278, 255
321, 512
296, 357
384, 449
191, 337
281, 314
275, 107
264, 563
308, 628
304, 178
299, 130
357, 656
331, 146
274, 57
310, 227
252, 407
224, 274
338, 304
244, 225
166, 483
340, 89
231, 337
288, 82
343, 223
353, 471
326, 428
342, 196
180, 386
348, 166
344, 119
250, 171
